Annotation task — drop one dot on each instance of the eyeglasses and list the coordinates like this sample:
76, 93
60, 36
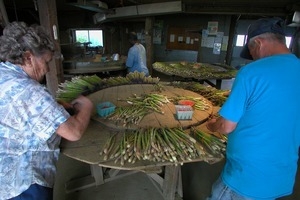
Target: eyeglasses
58, 55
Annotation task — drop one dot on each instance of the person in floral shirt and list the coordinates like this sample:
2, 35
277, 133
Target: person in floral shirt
32, 122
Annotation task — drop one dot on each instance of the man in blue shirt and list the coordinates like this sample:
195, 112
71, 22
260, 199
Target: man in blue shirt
136, 59
262, 119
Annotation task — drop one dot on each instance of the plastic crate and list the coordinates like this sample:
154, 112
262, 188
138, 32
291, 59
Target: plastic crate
106, 108
184, 112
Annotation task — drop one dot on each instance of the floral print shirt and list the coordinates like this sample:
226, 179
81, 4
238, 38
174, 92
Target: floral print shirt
29, 146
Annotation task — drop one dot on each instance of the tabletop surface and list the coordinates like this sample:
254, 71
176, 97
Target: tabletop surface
91, 70
118, 95
89, 66
198, 71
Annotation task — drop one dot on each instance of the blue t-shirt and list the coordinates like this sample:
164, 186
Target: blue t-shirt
136, 59
262, 151
29, 146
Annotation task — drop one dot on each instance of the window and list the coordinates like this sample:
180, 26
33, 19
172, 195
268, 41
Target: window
288, 40
95, 37
242, 39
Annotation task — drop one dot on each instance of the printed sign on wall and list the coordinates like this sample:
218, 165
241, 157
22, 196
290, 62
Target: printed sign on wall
212, 28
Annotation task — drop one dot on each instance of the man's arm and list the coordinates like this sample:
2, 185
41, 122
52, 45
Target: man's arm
220, 125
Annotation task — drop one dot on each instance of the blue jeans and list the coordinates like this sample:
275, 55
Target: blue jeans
220, 191
35, 192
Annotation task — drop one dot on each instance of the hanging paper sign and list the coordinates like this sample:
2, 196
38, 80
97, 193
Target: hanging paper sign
212, 28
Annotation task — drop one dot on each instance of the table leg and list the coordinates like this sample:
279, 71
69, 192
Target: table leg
218, 83
170, 181
179, 184
96, 178
169, 185
97, 173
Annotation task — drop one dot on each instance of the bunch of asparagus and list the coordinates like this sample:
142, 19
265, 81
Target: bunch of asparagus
193, 70
140, 77
84, 85
139, 106
150, 101
217, 97
212, 144
79, 85
200, 103
127, 115
153, 144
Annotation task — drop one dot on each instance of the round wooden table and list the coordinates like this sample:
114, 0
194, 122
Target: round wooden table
88, 148
118, 95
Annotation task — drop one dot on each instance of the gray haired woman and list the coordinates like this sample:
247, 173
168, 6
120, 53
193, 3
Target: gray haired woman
32, 122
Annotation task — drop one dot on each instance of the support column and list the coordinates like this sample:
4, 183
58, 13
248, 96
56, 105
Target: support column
3, 15
149, 42
48, 19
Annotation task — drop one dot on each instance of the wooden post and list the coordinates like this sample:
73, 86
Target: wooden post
149, 43
48, 19
199, 54
229, 51
3, 15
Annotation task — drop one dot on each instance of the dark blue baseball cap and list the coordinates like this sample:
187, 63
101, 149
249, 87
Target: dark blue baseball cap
264, 25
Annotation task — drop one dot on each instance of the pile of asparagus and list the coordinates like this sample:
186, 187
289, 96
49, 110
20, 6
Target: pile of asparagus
138, 107
217, 97
194, 70
212, 144
84, 85
159, 145
200, 102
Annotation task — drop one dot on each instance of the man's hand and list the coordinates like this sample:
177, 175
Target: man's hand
210, 124
220, 125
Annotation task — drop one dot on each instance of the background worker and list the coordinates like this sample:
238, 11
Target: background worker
262, 119
32, 122
136, 59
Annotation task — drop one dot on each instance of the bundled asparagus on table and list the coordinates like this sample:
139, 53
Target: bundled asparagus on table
200, 103
153, 144
194, 70
84, 85
138, 107
217, 97
150, 101
212, 144
79, 85
115, 81
129, 115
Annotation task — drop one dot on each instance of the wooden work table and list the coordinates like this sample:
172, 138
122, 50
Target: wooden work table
201, 72
77, 67
99, 130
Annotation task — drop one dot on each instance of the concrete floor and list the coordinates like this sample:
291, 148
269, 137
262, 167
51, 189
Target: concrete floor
196, 178
135, 186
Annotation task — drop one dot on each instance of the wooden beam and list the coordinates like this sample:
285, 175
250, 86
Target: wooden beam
229, 51
48, 19
252, 9
149, 43
3, 15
